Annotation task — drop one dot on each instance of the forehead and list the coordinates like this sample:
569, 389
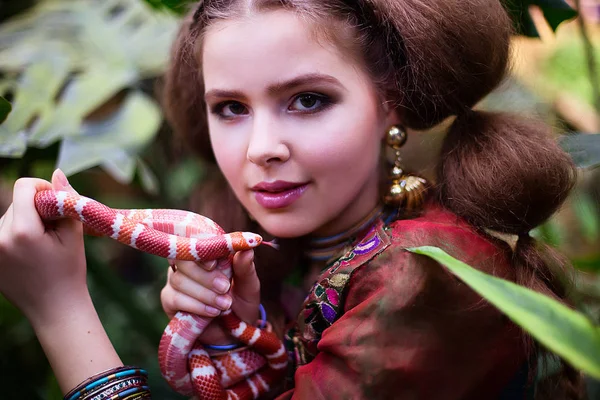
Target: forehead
274, 45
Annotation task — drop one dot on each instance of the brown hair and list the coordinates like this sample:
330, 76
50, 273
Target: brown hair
431, 59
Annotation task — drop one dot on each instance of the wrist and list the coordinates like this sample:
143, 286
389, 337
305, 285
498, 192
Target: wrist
75, 341
60, 309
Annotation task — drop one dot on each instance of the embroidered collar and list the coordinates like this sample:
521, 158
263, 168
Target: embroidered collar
324, 248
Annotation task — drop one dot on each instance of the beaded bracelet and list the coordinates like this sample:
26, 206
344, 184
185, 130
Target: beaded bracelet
111, 384
225, 347
115, 388
131, 393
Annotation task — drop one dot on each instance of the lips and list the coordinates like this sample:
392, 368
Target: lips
278, 194
277, 186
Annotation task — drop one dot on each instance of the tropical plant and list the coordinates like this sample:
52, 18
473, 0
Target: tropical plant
570, 334
79, 79
77, 73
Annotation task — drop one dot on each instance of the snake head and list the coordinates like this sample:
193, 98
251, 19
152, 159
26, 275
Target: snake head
245, 241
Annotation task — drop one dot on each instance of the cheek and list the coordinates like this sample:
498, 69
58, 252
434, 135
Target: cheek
343, 148
230, 154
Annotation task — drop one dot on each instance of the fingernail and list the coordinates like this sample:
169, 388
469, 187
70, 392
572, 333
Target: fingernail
212, 310
224, 302
249, 256
221, 285
62, 178
210, 265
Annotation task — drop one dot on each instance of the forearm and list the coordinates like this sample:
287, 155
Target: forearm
75, 342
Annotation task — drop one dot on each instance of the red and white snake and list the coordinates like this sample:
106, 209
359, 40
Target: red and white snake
182, 235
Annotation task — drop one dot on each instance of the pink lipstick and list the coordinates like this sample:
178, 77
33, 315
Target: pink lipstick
278, 194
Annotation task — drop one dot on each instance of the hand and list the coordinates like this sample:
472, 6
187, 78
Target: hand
42, 265
194, 288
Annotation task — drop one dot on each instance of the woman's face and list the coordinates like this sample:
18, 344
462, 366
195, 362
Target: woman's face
295, 126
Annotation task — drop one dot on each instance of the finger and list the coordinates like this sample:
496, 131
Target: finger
25, 215
183, 284
67, 228
247, 284
6, 217
60, 182
173, 301
193, 265
208, 265
5, 224
213, 279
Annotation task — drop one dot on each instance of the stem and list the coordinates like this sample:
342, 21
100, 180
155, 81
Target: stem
591, 60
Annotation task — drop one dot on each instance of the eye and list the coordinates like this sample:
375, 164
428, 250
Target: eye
230, 109
309, 102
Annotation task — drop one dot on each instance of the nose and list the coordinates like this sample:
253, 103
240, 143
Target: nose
266, 146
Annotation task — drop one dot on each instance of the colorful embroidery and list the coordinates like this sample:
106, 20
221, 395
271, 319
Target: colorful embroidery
364, 248
324, 304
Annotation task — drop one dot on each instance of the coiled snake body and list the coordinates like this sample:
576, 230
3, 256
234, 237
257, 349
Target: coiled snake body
183, 235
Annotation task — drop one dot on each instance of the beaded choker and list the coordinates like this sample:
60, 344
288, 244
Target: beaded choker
324, 248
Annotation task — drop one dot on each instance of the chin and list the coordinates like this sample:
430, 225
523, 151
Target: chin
284, 227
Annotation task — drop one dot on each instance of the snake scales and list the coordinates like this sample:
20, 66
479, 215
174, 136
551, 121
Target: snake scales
183, 235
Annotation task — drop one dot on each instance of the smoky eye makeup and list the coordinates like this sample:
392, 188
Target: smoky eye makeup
310, 103
304, 103
228, 109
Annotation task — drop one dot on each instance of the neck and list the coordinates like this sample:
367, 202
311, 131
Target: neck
322, 248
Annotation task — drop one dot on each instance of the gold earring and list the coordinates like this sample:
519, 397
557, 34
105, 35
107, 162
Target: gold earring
406, 191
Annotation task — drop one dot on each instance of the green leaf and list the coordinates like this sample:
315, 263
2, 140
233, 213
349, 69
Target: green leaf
5, 109
120, 165
81, 96
74, 58
113, 142
12, 145
566, 332
584, 149
37, 87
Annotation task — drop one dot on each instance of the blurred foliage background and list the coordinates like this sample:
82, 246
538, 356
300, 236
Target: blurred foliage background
78, 85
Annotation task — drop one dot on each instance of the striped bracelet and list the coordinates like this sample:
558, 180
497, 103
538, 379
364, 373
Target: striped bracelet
116, 383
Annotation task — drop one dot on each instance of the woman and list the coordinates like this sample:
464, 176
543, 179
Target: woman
295, 102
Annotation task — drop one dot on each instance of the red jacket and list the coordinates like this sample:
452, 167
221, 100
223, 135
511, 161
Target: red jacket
384, 323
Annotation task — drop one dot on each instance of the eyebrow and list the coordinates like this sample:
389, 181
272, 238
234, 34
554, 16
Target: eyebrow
279, 87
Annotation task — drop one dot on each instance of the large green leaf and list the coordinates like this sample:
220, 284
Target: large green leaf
37, 87
68, 59
583, 148
113, 142
12, 145
81, 96
566, 332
